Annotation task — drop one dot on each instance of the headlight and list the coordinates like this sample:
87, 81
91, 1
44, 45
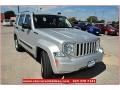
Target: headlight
69, 48
98, 44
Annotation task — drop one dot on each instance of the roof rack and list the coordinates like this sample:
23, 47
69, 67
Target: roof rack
23, 12
26, 12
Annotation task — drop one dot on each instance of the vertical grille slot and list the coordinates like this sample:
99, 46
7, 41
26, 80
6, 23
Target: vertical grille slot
84, 48
81, 49
78, 51
90, 47
87, 47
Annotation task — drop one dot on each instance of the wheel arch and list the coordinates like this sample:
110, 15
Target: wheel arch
49, 48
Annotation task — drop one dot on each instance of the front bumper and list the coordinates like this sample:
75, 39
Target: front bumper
67, 64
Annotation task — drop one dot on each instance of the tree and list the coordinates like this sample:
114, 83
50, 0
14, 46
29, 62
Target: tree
79, 20
72, 20
102, 21
113, 23
9, 14
117, 25
92, 19
117, 22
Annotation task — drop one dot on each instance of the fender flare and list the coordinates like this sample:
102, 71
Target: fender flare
50, 48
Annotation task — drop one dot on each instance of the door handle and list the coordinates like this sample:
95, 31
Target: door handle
35, 33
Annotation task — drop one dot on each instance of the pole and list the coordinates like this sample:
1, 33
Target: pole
18, 9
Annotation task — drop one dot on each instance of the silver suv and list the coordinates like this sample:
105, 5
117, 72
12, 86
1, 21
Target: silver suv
52, 41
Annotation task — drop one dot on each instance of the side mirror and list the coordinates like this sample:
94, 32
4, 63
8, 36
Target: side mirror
26, 26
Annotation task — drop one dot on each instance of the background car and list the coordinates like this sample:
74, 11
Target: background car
75, 25
80, 25
93, 29
110, 30
117, 26
102, 27
7, 22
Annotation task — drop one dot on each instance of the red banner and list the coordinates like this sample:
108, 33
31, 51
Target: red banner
59, 81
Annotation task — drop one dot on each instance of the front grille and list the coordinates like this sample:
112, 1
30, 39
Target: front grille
86, 48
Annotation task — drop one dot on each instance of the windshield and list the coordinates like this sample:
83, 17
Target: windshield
111, 27
50, 21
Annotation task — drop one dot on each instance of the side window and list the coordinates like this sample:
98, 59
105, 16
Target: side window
28, 20
21, 19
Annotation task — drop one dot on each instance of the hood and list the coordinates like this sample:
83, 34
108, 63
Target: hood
66, 35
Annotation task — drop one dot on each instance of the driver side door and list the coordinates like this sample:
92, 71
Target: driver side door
28, 34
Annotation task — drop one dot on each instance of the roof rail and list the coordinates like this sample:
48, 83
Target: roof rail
26, 12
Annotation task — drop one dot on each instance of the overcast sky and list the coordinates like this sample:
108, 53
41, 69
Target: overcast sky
108, 13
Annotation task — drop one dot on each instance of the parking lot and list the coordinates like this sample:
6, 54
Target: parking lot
19, 65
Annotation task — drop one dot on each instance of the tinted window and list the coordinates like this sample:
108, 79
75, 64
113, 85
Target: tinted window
28, 20
110, 26
21, 19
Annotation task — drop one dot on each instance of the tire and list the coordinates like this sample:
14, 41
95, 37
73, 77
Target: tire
46, 69
18, 47
106, 32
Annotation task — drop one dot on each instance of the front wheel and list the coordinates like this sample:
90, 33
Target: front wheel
46, 68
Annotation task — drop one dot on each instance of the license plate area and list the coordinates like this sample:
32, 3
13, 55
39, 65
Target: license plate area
91, 63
